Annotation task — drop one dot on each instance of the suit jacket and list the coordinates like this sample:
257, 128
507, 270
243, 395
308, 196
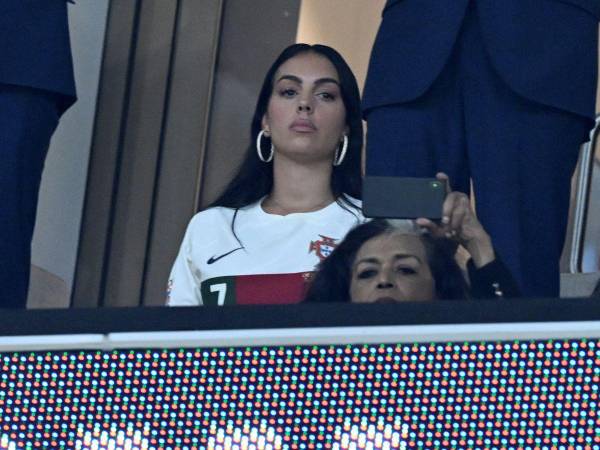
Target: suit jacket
34, 47
546, 50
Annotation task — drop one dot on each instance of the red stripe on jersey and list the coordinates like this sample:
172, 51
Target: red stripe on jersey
271, 289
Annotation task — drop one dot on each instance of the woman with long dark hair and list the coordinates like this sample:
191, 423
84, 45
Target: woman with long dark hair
295, 195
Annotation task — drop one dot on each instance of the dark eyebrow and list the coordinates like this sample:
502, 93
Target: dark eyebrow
299, 81
396, 257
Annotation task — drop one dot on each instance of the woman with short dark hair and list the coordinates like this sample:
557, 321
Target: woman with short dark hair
384, 261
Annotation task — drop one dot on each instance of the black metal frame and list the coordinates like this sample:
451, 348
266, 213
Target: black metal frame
106, 320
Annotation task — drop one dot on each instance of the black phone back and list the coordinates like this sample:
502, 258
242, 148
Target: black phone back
403, 197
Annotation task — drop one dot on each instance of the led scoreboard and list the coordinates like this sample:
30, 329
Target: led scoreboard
368, 384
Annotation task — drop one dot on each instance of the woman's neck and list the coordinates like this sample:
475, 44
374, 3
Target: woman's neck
299, 188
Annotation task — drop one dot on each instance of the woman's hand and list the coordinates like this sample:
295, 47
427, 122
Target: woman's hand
460, 224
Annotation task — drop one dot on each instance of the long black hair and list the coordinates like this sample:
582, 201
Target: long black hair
331, 282
254, 178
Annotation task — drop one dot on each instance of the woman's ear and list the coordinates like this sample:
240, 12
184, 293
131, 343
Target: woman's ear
265, 125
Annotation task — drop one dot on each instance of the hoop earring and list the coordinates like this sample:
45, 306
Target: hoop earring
340, 155
259, 148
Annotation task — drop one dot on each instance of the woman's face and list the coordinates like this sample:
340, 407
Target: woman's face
306, 116
389, 268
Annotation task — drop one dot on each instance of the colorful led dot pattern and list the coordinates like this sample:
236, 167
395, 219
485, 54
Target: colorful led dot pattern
110, 440
522, 394
6, 444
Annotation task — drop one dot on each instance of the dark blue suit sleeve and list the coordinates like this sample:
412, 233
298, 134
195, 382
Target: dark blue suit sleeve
592, 6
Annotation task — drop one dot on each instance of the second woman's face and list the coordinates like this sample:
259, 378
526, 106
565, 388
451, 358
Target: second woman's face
391, 268
306, 116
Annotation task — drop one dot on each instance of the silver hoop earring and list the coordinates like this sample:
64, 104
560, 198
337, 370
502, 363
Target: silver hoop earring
259, 148
341, 154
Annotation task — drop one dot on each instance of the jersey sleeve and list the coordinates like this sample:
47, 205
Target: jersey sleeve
183, 288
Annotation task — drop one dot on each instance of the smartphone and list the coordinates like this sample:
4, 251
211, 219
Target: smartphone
403, 197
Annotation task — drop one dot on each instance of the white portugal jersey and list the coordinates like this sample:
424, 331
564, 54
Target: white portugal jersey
271, 264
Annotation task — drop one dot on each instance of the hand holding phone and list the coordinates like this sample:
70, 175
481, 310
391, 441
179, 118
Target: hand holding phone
459, 223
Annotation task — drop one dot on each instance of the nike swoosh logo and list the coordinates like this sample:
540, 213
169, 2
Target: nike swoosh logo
214, 259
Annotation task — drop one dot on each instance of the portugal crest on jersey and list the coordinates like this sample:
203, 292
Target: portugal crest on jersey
322, 247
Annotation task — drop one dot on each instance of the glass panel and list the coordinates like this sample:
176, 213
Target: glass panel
591, 243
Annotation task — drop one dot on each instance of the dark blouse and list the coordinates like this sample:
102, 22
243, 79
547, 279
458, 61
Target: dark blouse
492, 281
